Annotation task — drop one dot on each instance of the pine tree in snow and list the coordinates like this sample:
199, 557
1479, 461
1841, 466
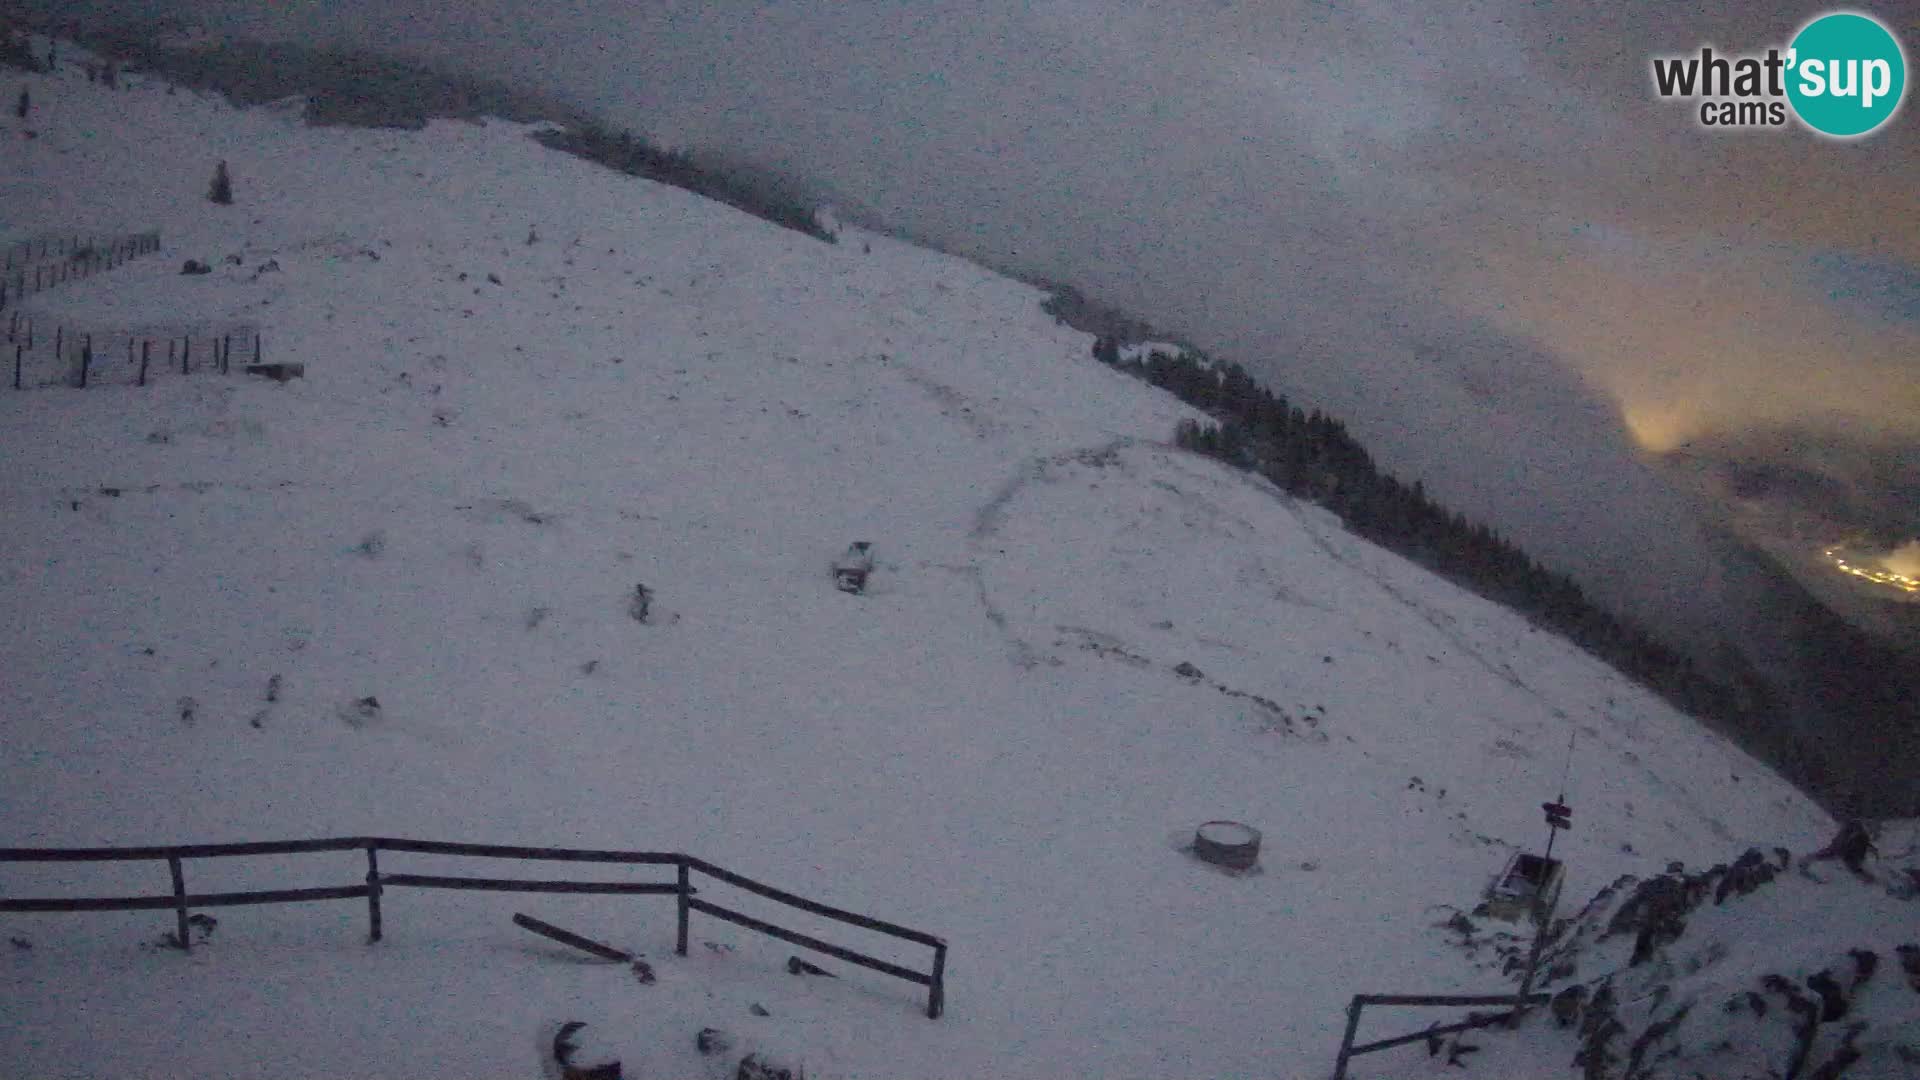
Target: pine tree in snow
222, 189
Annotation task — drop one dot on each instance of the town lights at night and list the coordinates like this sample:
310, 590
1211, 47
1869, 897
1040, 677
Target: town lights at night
1876, 576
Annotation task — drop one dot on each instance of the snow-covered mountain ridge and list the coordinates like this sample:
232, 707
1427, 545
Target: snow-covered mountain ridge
997, 743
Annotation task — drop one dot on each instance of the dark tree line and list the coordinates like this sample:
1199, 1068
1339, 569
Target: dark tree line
1312, 455
361, 89
341, 88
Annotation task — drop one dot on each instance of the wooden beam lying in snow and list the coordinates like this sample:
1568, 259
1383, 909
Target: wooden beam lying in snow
548, 930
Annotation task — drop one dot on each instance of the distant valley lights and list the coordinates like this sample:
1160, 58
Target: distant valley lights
1878, 577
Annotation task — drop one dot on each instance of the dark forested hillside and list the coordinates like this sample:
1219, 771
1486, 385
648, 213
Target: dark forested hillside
1312, 455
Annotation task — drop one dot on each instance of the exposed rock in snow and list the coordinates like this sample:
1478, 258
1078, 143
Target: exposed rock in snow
1741, 970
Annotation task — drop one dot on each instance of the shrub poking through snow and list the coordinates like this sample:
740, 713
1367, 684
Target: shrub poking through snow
712, 1041
567, 1053
360, 712
757, 1067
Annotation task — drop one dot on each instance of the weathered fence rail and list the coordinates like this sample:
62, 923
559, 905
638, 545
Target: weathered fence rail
39, 264
1348, 1051
376, 883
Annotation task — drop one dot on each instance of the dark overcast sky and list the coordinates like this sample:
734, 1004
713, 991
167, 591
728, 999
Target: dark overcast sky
1470, 229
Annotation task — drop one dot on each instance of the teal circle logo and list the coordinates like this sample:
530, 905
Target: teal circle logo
1846, 74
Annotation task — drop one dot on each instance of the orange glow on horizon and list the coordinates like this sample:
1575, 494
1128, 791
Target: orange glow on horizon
1656, 430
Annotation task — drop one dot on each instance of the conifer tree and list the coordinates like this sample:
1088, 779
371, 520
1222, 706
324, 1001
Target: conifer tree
221, 190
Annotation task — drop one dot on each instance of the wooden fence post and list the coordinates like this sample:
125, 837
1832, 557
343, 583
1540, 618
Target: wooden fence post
179, 900
1346, 1041
686, 891
146, 350
937, 990
86, 359
186, 353
226, 353
373, 889
18, 352
256, 348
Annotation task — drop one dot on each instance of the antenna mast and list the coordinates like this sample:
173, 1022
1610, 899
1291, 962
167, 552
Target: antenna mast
1559, 814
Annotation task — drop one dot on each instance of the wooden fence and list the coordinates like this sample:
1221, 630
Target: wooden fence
48, 246
1516, 1002
62, 355
377, 882
36, 265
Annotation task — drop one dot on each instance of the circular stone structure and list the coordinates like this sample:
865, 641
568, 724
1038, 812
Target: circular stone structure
1227, 843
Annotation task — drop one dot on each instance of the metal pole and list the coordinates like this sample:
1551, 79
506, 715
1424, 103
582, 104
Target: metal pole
1540, 916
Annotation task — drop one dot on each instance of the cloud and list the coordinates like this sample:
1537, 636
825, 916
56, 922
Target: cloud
1885, 288
1904, 560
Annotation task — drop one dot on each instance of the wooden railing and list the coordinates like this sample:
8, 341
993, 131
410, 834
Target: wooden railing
1517, 1003
377, 882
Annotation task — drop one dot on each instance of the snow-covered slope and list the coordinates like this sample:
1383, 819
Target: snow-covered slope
451, 511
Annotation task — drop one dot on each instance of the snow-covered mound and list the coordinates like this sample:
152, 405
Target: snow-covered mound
532, 385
